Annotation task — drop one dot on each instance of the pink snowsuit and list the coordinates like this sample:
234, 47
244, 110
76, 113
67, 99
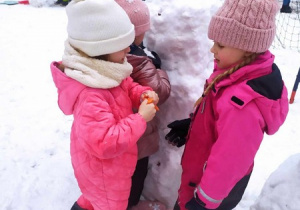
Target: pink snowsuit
227, 129
104, 138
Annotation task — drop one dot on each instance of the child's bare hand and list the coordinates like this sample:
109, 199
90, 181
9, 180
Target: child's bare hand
147, 110
150, 94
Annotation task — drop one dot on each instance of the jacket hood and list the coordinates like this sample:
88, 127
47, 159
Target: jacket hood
68, 89
271, 99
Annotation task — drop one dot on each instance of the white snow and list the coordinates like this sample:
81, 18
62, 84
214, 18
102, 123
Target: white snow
35, 166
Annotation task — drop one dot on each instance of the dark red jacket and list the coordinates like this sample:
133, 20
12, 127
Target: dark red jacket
145, 73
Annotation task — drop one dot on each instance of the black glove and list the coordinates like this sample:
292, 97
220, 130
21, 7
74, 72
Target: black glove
179, 131
195, 204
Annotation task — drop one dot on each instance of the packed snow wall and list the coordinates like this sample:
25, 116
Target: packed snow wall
179, 35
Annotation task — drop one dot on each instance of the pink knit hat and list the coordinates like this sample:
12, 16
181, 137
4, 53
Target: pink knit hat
245, 24
138, 13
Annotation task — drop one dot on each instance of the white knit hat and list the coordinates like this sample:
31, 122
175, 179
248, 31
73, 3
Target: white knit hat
98, 27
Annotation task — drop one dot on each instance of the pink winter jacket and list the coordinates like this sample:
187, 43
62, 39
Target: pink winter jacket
103, 137
227, 130
145, 73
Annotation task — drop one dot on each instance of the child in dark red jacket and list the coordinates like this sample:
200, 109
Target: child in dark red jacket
146, 71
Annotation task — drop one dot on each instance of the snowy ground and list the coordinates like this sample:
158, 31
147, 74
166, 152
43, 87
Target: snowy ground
35, 168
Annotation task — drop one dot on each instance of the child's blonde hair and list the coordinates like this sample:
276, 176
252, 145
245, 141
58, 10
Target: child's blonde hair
218, 78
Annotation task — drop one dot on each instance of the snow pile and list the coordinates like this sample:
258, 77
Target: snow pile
285, 179
179, 35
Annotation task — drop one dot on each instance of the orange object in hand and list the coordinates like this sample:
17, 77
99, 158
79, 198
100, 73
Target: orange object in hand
150, 100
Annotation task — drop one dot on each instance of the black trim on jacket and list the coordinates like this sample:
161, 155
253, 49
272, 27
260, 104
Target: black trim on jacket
270, 85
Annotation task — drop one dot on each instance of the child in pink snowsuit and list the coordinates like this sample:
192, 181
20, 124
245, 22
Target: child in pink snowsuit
94, 85
244, 98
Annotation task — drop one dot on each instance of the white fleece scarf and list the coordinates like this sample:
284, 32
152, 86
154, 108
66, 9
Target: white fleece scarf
93, 72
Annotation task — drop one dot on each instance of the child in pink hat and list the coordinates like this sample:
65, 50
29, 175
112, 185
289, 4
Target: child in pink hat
243, 99
146, 71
